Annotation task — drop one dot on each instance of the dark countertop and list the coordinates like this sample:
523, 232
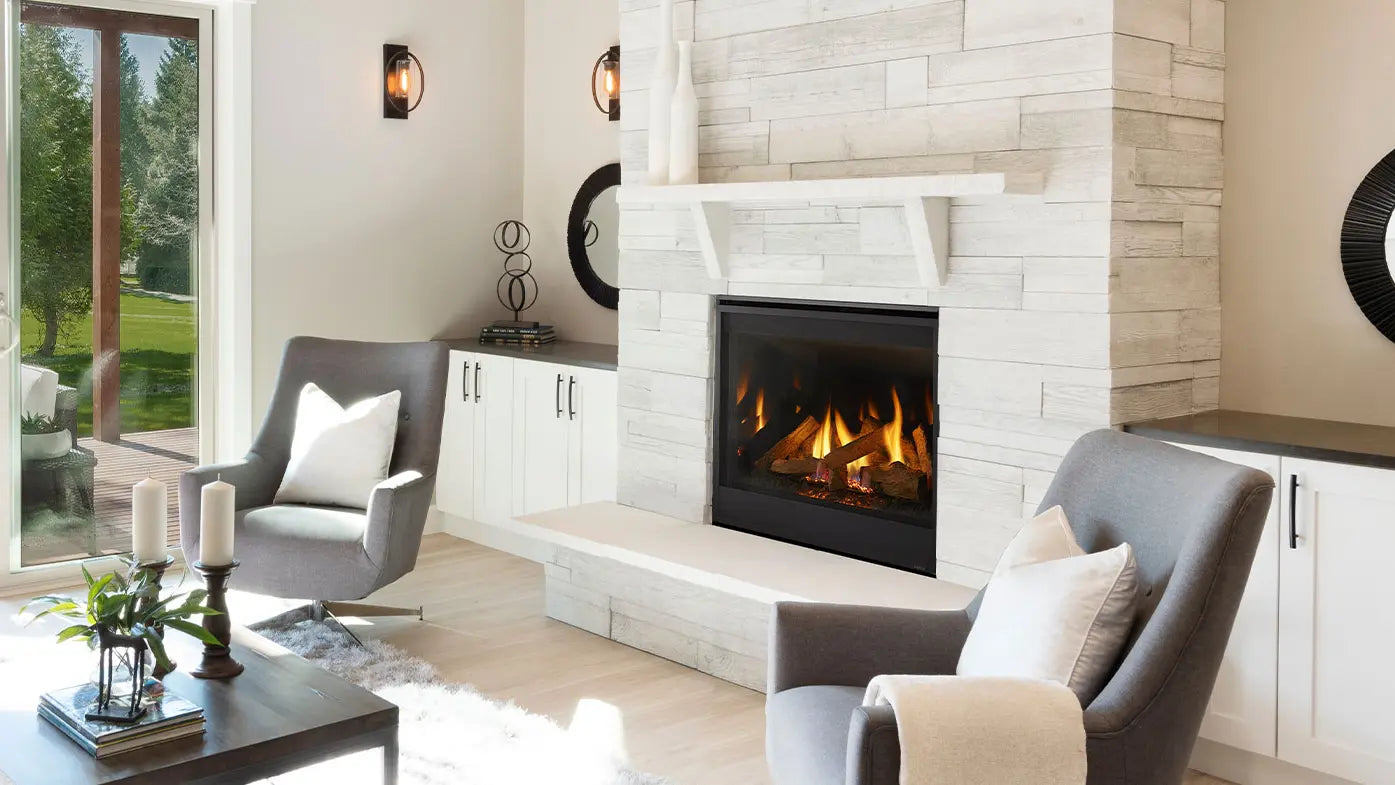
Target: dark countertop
581, 355
1295, 437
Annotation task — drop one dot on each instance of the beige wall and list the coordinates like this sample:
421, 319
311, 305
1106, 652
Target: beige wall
564, 140
370, 228
1309, 112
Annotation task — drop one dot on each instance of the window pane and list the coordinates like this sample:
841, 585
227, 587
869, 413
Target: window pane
109, 329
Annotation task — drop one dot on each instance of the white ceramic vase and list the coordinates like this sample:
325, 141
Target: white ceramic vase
683, 122
661, 96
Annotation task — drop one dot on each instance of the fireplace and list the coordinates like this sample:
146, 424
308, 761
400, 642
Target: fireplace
825, 427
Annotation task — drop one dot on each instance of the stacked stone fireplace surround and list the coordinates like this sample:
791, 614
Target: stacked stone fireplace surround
1093, 304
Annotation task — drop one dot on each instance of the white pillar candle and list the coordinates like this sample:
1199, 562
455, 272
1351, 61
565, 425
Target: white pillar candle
216, 526
149, 508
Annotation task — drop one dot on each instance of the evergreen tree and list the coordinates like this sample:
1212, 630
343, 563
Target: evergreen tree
55, 181
168, 214
135, 149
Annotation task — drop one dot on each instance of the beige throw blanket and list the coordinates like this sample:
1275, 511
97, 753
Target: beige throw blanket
984, 731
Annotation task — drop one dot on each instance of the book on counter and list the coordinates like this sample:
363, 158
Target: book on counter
518, 334
168, 717
516, 328
517, 342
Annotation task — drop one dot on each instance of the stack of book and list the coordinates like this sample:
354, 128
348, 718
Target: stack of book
167, 718
518, 334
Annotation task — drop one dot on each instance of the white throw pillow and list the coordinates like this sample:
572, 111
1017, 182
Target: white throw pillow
339, 455
38, 389
1053, 612
1045, 538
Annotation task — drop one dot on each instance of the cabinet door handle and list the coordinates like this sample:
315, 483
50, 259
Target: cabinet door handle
477, 382
1293, 512
465, 382
559, 396
571, 399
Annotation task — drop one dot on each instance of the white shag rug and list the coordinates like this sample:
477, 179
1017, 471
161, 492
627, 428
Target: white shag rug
452, 735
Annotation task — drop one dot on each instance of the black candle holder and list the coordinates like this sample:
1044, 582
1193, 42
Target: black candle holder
159, 568
217, 662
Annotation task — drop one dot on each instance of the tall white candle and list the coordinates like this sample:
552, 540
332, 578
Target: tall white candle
216, 527
149, 508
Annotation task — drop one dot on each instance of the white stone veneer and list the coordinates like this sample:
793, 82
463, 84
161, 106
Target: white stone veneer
1091, 305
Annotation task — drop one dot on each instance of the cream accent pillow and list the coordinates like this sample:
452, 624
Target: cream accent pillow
1045, 538
1053, 612
339, 455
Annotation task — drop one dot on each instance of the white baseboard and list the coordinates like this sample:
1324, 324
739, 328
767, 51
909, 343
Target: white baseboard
501, 536
434, 524
1246, 768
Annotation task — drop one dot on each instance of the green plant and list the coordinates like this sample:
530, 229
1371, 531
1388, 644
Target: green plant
36, 424
126, 605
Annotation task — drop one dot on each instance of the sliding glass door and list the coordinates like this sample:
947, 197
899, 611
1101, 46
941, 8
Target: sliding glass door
112, 209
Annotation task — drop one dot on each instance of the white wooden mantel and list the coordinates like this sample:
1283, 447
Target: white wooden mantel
925, 198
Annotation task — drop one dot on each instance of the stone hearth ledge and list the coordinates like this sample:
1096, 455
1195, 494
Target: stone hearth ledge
695, 594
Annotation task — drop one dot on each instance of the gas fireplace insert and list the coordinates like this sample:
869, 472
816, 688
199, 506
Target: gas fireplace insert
825, 427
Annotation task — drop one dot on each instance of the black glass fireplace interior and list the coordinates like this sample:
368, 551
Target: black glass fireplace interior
826, 427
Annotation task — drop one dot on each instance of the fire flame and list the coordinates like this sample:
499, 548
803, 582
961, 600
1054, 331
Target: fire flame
743, 385
823, 440
892, 435
760, 411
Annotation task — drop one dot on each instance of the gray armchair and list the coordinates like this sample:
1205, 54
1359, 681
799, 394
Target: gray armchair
1194, 523
331, 554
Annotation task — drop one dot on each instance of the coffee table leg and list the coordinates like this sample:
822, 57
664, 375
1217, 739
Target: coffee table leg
390, 758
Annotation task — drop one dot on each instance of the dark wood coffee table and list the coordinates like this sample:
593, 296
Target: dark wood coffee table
280, 715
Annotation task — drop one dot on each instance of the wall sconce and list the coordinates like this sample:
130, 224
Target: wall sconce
605, 81
400, 82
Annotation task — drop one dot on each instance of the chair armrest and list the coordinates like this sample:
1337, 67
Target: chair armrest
817, 643
254, 480
397, 513
874, 747
988, 729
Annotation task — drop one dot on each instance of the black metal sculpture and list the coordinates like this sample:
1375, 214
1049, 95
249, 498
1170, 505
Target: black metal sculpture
517, 288
107, 710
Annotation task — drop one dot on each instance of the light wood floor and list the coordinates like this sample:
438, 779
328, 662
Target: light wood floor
486, 626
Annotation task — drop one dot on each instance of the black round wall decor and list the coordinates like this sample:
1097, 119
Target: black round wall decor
1365, 233
583, 233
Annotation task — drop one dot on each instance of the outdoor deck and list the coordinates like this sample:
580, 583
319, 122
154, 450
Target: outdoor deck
162, 455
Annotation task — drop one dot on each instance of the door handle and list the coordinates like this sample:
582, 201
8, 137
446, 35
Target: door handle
465, 382
1293, 512
571, 399
477, 382
559, 396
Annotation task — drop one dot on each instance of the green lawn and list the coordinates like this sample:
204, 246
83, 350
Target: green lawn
159, 340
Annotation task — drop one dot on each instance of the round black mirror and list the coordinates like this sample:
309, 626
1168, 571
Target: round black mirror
1368, 246
593, 236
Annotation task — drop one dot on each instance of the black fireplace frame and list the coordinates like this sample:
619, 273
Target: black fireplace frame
823, 526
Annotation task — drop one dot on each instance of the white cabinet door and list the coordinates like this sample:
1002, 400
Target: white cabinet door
455, 484
1336, 623
541, 438
1244, 704
491, 388
593, 407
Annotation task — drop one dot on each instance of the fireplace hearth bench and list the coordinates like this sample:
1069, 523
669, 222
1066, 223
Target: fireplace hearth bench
699, 595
